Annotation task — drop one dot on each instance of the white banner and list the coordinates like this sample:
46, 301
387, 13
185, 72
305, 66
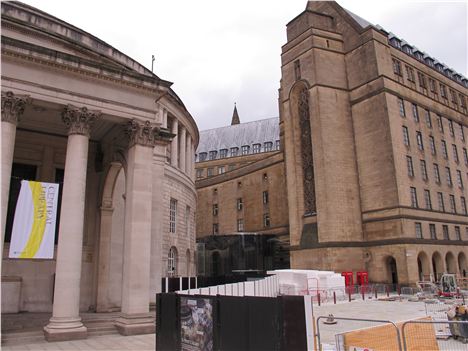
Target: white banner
33, 231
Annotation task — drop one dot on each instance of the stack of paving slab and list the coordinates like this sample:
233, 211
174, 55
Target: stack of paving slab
305, 282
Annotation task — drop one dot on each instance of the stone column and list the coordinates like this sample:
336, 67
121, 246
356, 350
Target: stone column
182, 150
65, 323
12, 109
174, 144
188, 156
135, 317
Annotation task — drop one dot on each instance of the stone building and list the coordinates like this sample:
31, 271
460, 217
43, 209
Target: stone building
375, 150
121, 143
241, 182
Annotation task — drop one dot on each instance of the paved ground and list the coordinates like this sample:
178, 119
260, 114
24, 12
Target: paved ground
105, 342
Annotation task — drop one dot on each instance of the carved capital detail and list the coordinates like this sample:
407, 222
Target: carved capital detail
146, 134
79, 120
13, 106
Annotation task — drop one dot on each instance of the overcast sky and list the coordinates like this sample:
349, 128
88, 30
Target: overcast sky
218, 52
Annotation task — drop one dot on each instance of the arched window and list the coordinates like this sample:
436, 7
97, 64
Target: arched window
172, 262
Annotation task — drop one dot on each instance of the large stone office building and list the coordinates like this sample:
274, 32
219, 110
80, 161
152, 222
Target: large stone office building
78, 112
373, 155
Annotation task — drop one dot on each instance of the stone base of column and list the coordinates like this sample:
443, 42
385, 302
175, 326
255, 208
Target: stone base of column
135, 324
62, 329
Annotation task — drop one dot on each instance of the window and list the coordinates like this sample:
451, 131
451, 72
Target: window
455, 153
415, 112
401, 106
209, 172
432, 86
444, 149
223, 153
436, 173
454, 97
440, 124
396, 67
410, 73
266, 220
463, 205
428, 118
409, 164
423, 170
419, 139
453, 208
234, 151
440, 200
414, 197
240, 204
446, 232
443, 91
172, 262
457, 233
422, 80
432, 145
297, 69
462, 102
256, 148
245, 149
187, 220
172, 215
449, 176
213, 155
221, 169
202, 156
452, 133
240, 225
459, 179
231, 167
432, 231
215, 228
462, 133
268, 146
199, 173
277, 145
265, 197
215, 209
418, 229
427, 199
465, 156
406, 140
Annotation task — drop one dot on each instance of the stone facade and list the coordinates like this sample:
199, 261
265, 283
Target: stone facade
369, 154
77, 112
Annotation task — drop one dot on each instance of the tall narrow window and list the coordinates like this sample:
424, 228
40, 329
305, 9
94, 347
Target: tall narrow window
187, 220
266, 220
440, 124
428, 118
396, 67
240, 225
465, 156
423, 170
172, 215
462, 133
453, 207
432, 231
455, 153
427, 199
457, 233
415, 112
172, 262
306, 153
409, 165
215, 228
445, 232
452, 132
414, 197
449, 176
418, 229
239, 204
459, 179
401, 107
440, 200
221, 169
444, 149
406, 139
432, 145
215, 209
419, 139
463, 205
410, 73
265, 197
443, 91
297, 69
436, 173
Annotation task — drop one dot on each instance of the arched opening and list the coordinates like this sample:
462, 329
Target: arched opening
424, 269
392, 270
187, 263
437, 266
450, 263
172, 262
462, 265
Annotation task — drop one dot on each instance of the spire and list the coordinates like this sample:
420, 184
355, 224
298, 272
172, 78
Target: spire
235, 116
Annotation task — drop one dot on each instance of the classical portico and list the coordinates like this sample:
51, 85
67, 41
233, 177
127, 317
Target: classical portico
79, 113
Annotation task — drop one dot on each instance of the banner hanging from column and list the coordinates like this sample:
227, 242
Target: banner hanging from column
33, 231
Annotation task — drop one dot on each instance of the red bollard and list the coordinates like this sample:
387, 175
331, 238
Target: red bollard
388, 292
318, 298
334, 298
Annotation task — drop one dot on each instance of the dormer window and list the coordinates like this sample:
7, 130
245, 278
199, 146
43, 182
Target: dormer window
396, 42
430, 61
202, 156
245, 149
256, 148
268, 146
213, 155
448, 72
234, 151
223, 153
408, 49
439, 67
418, 55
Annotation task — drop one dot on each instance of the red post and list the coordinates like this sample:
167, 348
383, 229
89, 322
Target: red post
388, 292
318, 298
334, 297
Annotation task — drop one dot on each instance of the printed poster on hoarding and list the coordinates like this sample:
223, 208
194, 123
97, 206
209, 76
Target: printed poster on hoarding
196, 319
33, 232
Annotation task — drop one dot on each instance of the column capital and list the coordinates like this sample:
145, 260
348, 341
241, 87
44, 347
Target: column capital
79, 120
13, 106
146, 133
